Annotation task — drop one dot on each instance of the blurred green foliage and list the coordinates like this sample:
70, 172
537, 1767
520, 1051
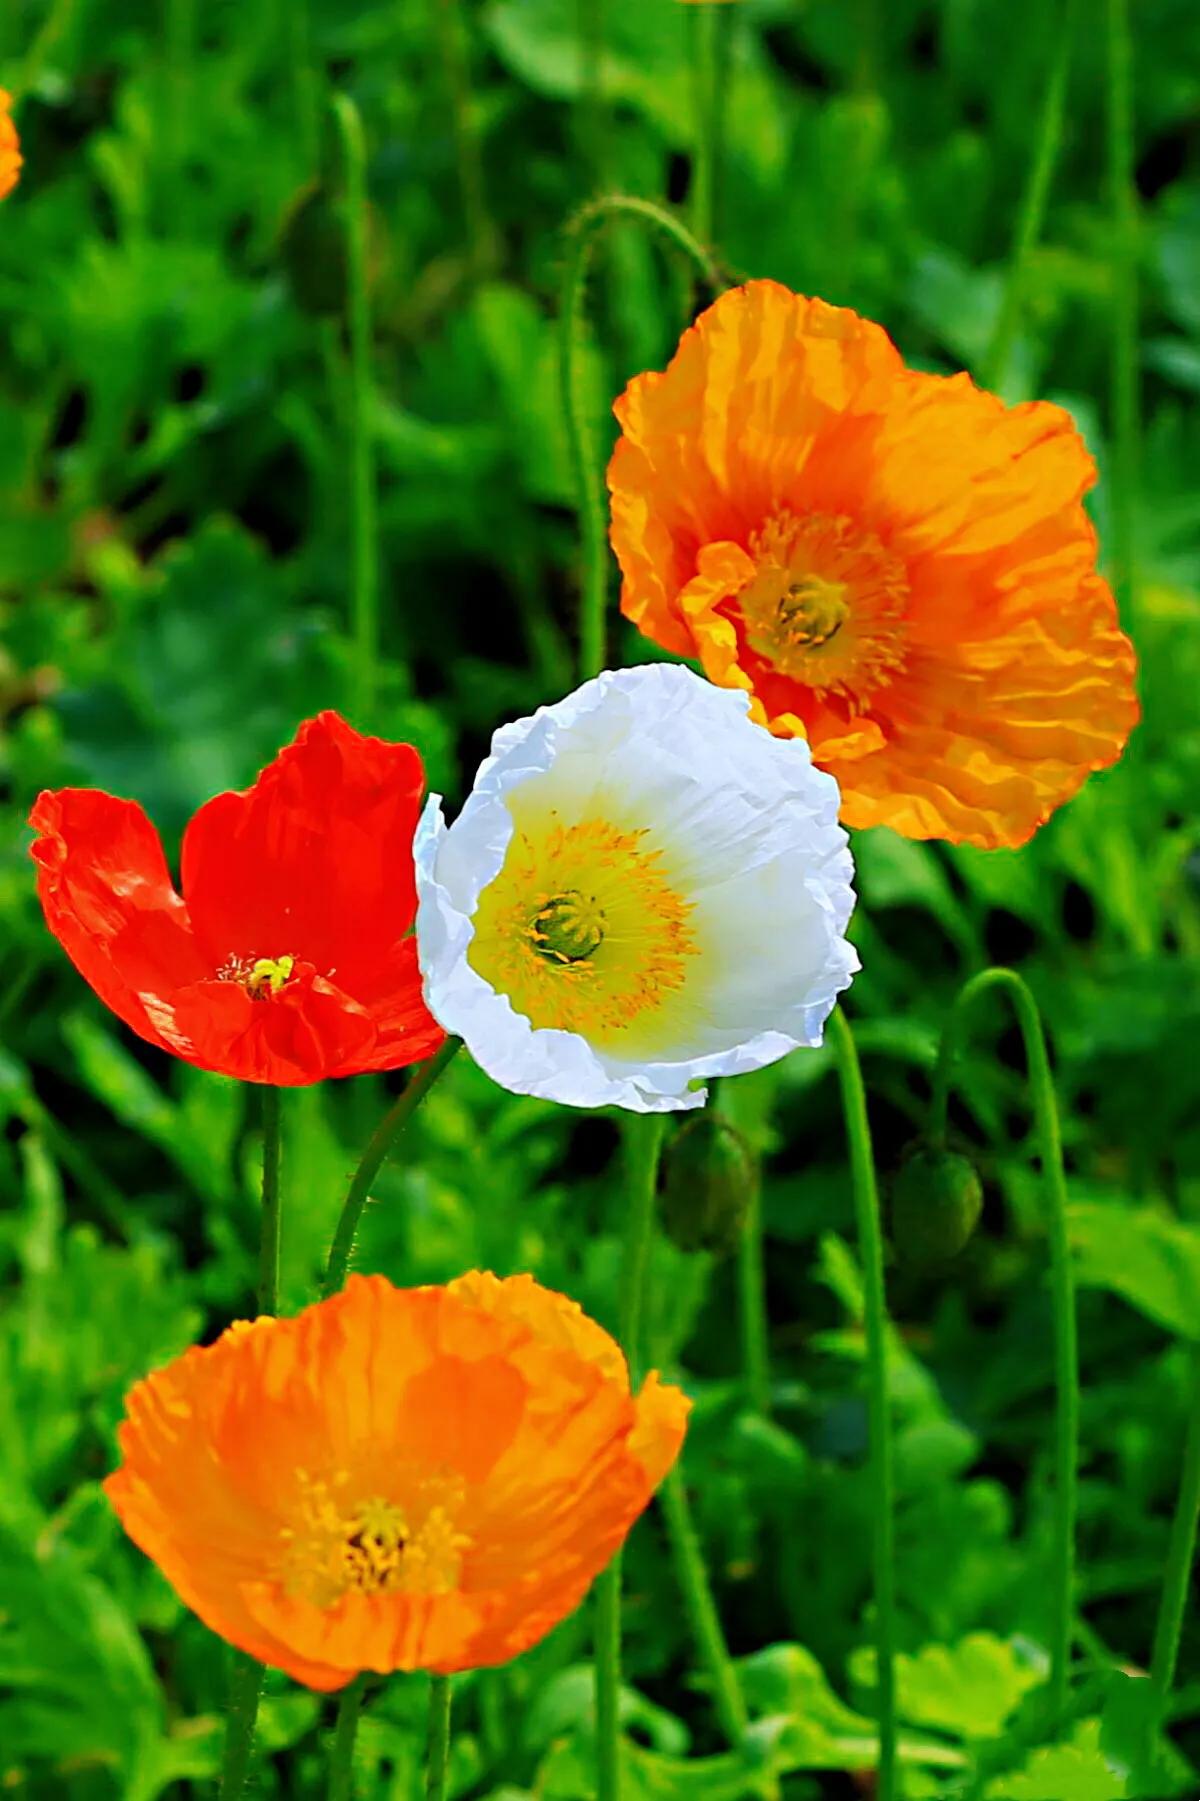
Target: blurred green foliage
174, 521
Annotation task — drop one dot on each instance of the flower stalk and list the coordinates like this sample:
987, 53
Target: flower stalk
870, 1244
643, 1140
1180, 1555
586, 471
1066, 1352
246, 1679
341, 1762
379, 1147
364, 558
439, 1738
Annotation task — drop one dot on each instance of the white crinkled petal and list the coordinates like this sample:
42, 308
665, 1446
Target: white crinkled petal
747, 831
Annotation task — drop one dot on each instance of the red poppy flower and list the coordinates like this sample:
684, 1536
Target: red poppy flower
288, 956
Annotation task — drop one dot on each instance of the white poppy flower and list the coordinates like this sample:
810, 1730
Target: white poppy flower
643, 889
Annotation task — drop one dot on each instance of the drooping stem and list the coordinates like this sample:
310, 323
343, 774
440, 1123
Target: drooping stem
751, 1263
457, 77
708, 88
1066, 1354
870, 1246
268, 1249
586, 470
643, 1143
439, 1739
1180, 1555
364, 532
1123, 239
341, 1759
380, 1145
692, 1576
1032, 216
246, 1679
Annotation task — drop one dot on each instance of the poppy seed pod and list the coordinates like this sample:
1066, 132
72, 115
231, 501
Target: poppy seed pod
937, 1198
709, 1181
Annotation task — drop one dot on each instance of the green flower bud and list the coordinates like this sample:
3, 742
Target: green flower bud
709, 1179
937, 1198
312, 248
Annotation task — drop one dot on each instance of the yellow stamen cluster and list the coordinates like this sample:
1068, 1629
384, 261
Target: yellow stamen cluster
827, 604
581, 928
375, 1546
261, 977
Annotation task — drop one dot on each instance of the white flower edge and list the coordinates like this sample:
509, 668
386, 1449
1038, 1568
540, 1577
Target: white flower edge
771, 780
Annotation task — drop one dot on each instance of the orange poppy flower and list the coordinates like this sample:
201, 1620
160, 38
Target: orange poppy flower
895, 566
289, 955
10, 147
396, 1479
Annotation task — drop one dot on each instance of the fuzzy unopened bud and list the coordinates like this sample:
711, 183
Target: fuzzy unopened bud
937, 1198
312, 248
709, 1182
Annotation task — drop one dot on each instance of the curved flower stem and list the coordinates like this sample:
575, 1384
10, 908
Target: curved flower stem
439, 1738
586, 472
378, 1148
643, 1140
1066, 1354
364, 540
870, 1245
1031, 218
1177, 1576
341, 1760
1123, 239
727, 1698
246, 1680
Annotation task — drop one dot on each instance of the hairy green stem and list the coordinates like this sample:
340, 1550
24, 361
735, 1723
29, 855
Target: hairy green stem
246, 1680
732, 1102
692, 1576
1180, 1555
364, 528
380, 1145
268, 1249
1032, 216
245, 1691
457, 77
439, 1739
586, 471
1124, 245
643, 1145
341, 1758
870, 1245
1066, 1352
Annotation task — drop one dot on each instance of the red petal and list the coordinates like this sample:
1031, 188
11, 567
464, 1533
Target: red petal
305, 1033
108, 898
315, 860
407, 1030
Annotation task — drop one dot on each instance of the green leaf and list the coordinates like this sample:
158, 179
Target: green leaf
1149, 1259
970, 1689
1078, 1771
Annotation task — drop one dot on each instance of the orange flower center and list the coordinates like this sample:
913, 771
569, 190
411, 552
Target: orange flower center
827, 603
338, 1544
261, 977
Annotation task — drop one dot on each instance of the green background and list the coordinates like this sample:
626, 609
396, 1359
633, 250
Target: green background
174, 553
